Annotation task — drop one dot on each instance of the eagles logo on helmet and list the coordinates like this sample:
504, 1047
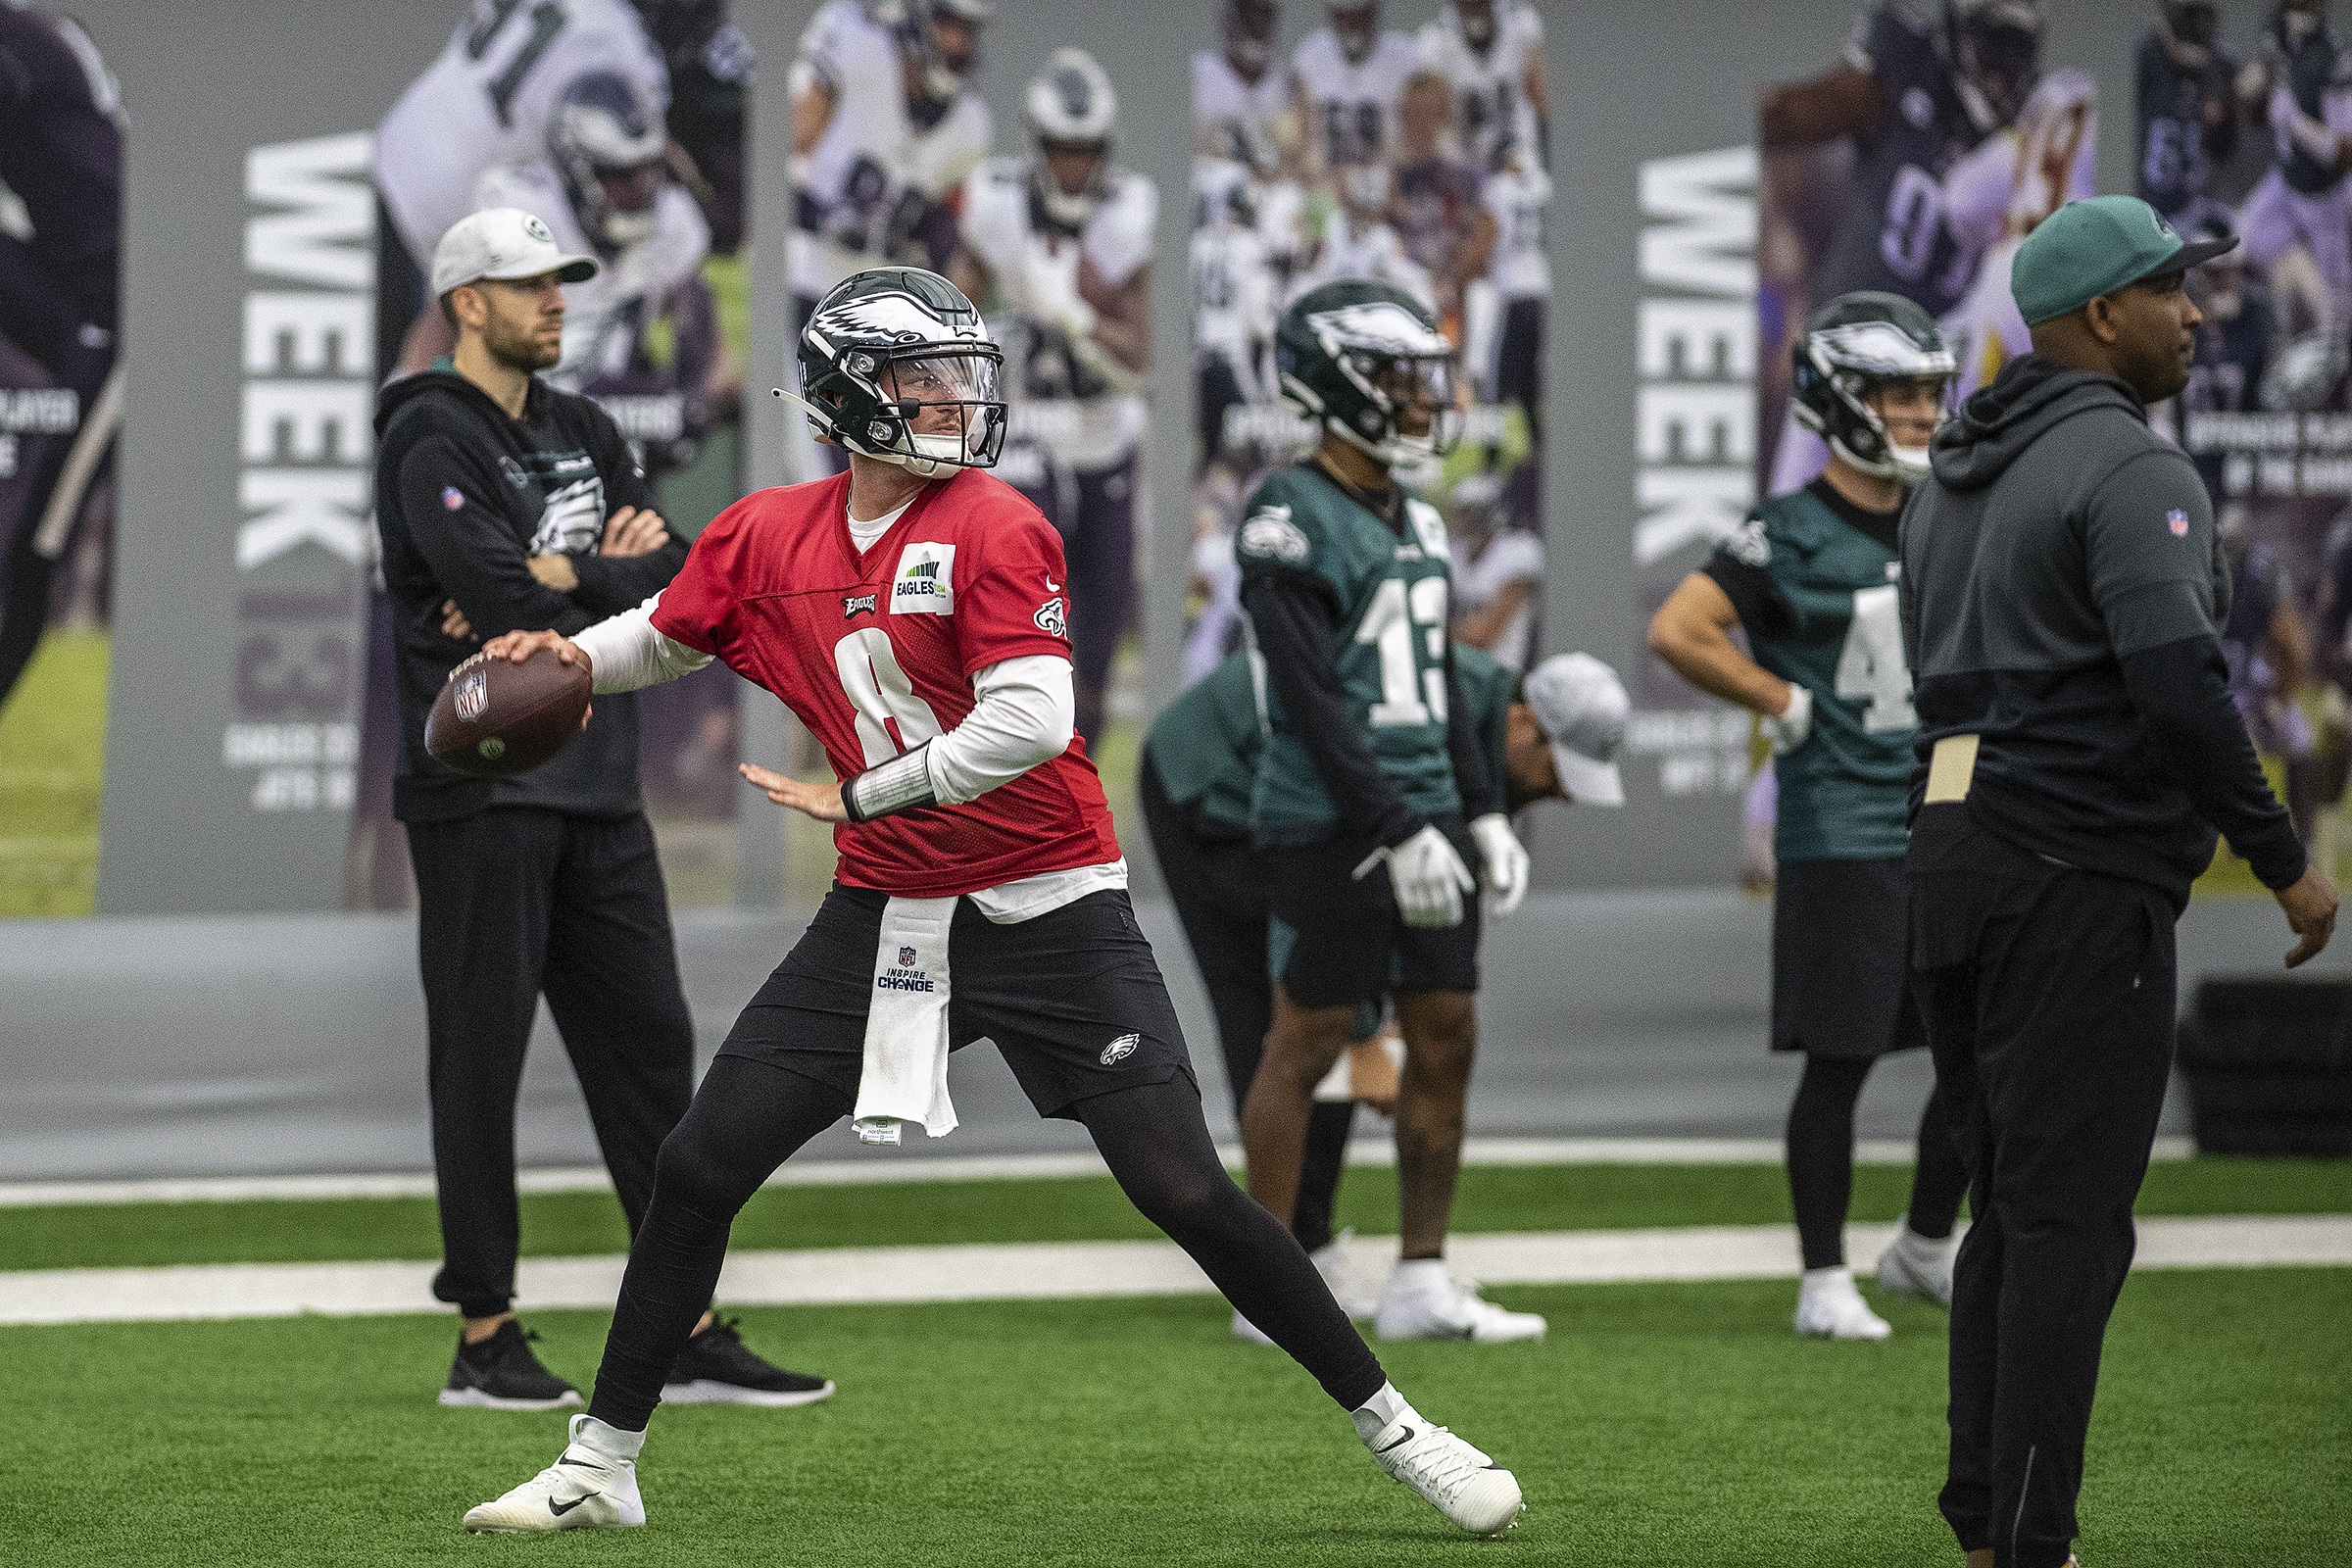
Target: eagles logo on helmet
1850, 344
1354, 355
883, 351
607, 144
1071, 112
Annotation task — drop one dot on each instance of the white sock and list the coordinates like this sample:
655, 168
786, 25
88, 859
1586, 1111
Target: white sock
1414, 1275
1822, 1281
607, 1442
1924, 1248
1377, 1414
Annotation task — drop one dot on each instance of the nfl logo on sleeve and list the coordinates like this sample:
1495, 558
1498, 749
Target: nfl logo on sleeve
2176, 520
452, 497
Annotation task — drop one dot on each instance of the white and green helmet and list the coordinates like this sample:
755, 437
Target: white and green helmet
1354, 355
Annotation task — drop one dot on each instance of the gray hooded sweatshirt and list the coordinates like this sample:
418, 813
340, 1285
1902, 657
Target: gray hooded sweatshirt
2062, 590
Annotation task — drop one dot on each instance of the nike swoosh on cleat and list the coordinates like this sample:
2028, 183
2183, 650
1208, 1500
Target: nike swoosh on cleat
1407, 1437
560, 1509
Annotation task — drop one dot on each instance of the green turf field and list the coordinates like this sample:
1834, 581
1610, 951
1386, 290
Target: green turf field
52, 753
1659, 1424
1492, 1198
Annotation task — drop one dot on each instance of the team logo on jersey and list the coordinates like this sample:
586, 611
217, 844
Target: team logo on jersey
513, 471
925, 581
1120, 1050
452, 497
1269, 534
906, 958
1747, 545
472, 694
1430, 528
854, 605
2176, 520
1050, 620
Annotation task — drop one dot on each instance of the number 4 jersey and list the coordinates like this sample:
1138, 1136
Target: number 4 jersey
875, 652
1391, 592
1813, 578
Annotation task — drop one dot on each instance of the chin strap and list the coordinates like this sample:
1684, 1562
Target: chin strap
920, 467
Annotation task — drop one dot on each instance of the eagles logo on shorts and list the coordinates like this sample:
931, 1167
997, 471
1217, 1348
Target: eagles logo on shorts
472, 694
1050, 620
1120, 1050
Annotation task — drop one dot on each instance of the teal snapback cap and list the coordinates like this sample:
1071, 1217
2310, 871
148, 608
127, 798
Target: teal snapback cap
2089, 248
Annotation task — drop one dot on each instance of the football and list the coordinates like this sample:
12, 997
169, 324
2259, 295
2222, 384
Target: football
495, 718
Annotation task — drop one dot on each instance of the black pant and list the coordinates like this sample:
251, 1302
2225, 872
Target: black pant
749, 1117
1821, 1160
1219, 886
2048, 996
1093, 512
511, 903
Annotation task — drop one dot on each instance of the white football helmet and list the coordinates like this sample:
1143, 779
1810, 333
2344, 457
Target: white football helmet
1070, 108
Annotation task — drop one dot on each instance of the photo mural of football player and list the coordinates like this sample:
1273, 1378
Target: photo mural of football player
1414, 158
620, 127
2267, 415
61, 214
886, 125
1056, 242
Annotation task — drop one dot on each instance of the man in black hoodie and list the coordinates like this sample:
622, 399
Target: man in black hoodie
505, 503
2063, 593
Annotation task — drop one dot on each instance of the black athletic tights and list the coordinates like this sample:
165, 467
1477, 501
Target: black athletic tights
1821, 1160
748, 1118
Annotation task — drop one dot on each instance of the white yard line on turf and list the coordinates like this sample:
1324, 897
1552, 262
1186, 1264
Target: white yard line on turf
951, 1168
1040, 1271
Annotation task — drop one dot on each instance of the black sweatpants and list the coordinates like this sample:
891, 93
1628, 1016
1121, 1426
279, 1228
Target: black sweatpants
511, 903
1093, 512
2049, 998
1219, 886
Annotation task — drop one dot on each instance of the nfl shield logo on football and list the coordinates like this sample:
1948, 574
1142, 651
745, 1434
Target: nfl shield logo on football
906, 958
452, 497
472, 694
2176, 520
1120, 1050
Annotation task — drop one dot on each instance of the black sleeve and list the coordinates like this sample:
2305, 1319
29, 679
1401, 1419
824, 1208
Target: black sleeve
1763, 610
1297, 630
610, 586
2182, 691
37, 314
1480, 792
471, 547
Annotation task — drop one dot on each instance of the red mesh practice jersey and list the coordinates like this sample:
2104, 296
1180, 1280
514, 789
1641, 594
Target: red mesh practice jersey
875, 652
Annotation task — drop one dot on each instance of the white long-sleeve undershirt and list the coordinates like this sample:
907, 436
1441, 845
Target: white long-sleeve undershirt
1024, 715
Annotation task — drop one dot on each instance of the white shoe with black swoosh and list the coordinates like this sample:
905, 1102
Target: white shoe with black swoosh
587, 1489
1460, 1482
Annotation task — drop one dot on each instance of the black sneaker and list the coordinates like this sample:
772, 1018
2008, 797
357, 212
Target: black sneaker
714, 1368
502, 1374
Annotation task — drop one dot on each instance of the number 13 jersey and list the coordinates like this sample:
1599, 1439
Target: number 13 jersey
1392, 593
875, 652
1813, 578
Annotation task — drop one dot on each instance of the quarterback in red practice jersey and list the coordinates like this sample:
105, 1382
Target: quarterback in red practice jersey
911, 613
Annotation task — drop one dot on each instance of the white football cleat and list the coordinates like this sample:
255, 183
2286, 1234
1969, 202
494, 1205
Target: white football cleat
1919, 1265
1347, 1286
1448, 1308
1459, 1481
1829, 1307
587, 1489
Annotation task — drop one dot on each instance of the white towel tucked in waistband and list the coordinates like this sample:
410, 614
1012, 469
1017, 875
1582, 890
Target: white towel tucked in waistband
904, 1077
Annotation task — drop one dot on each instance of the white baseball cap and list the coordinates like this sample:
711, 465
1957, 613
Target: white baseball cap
1582, 705
503, 243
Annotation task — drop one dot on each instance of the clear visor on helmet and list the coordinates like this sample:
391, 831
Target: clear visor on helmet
1426, 383
949, 406
942, 378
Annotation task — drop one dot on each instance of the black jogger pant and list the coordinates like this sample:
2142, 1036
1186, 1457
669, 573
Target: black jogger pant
512, 902
2049, 998
1218, 885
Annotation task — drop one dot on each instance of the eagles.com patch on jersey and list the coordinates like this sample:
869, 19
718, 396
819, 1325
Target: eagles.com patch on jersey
925, 582
1269, 534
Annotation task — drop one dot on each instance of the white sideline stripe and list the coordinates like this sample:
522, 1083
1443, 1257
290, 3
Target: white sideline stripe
1045, 1271
954, 1168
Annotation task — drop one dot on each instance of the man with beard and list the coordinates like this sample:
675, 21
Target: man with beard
522, 506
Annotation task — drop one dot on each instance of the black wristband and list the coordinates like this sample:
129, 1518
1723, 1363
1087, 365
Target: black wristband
901, 784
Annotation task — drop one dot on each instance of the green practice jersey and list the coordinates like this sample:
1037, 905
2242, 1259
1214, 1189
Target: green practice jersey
1205, 744
1393, 595
1813, 578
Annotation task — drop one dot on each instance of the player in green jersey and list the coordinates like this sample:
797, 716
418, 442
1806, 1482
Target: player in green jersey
1810, 577
1552, 736
1371, 799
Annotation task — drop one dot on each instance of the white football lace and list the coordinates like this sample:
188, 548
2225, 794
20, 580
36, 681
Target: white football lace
1440, 1462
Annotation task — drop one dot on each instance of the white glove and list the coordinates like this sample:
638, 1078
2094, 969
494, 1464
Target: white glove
1045, 285
1789, 731
1430, 879
1505, 861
